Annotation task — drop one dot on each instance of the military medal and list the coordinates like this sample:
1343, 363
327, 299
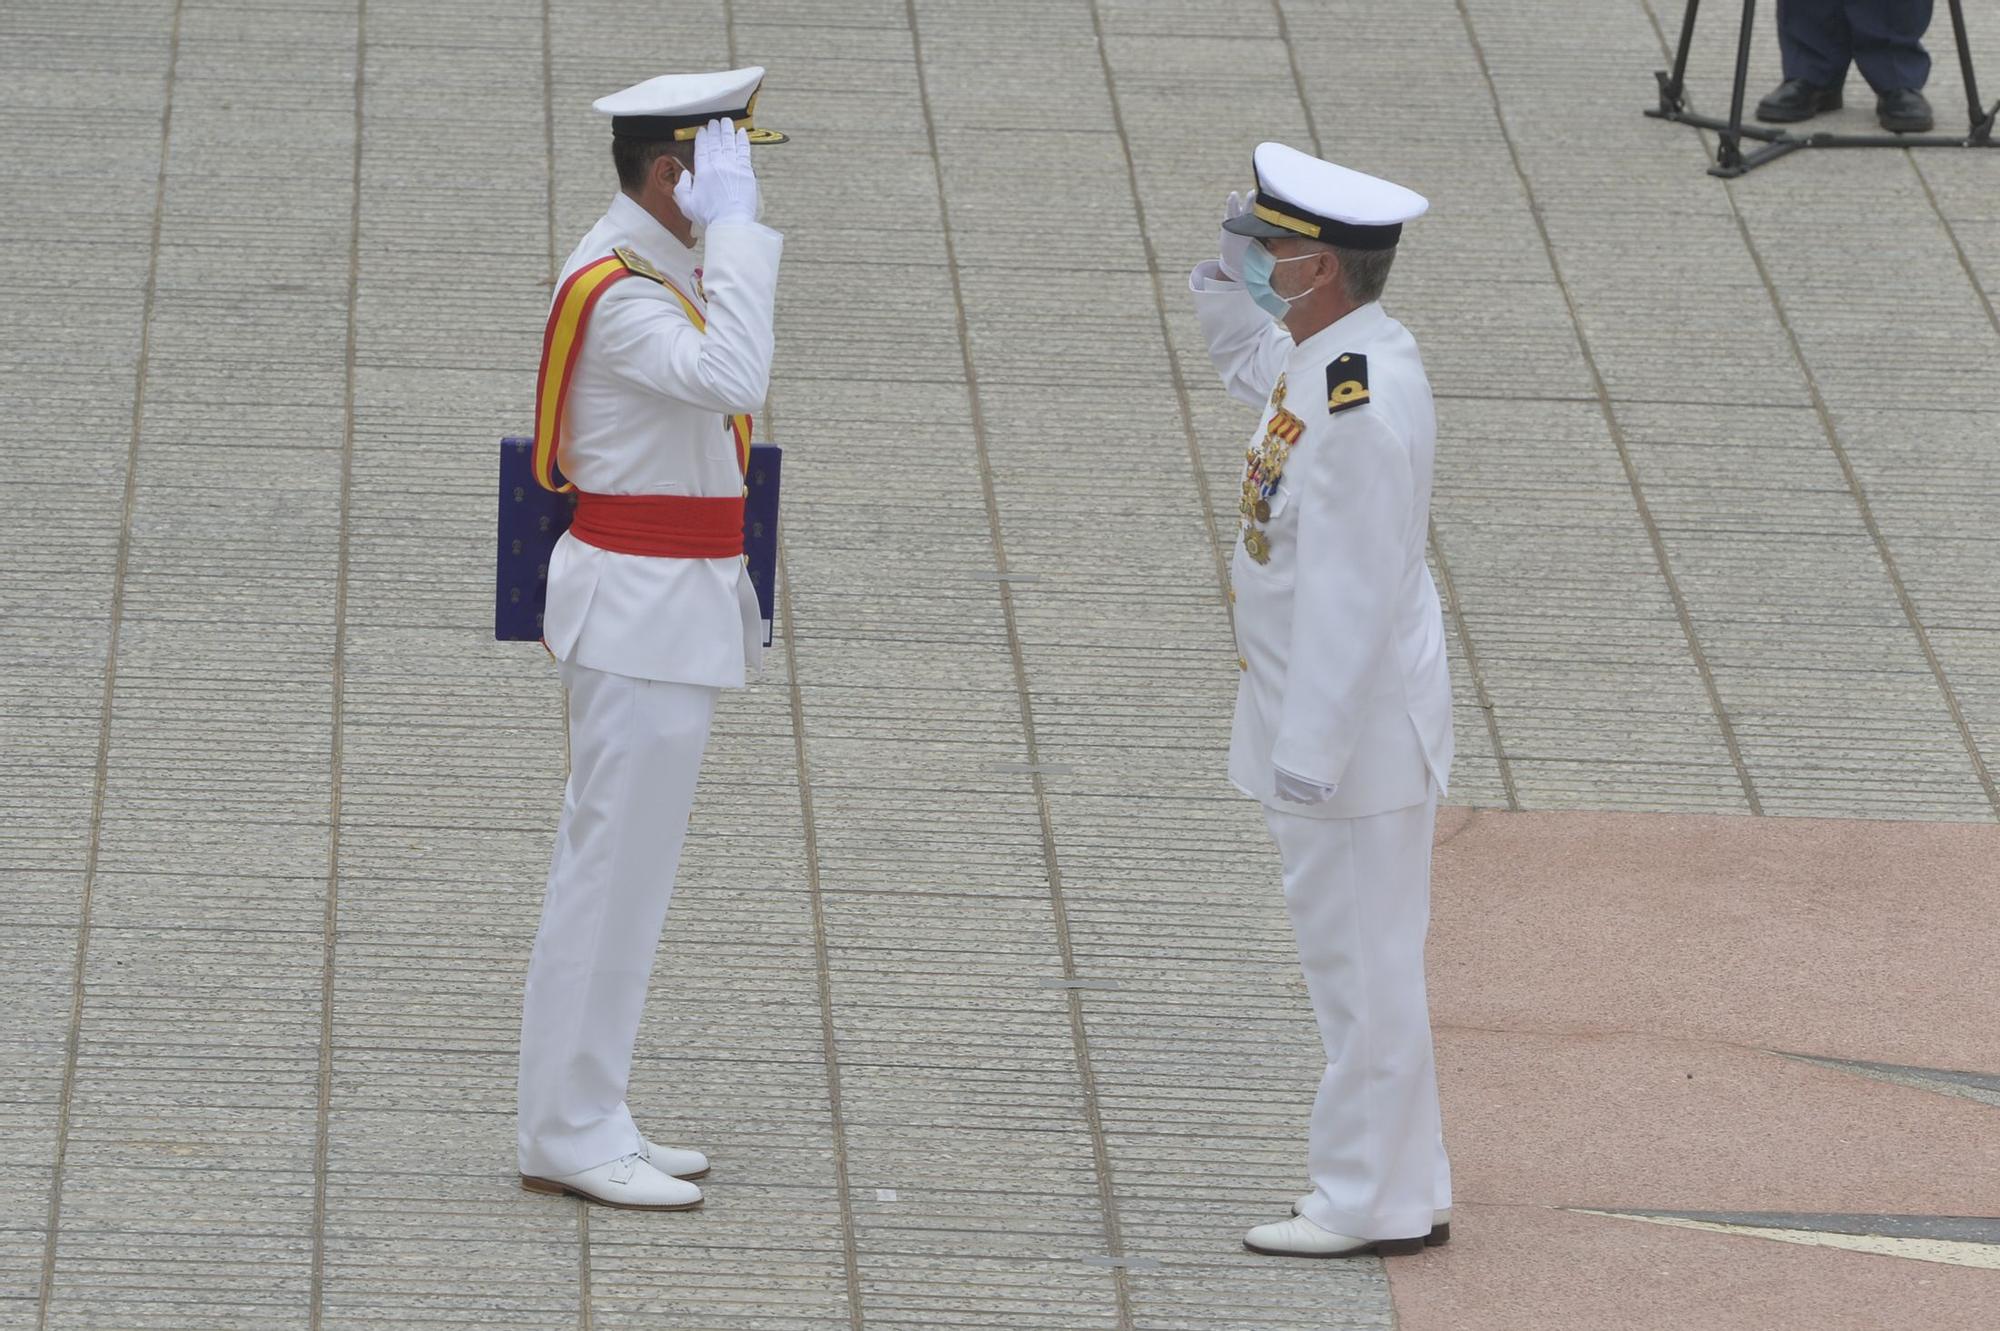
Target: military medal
1264, 471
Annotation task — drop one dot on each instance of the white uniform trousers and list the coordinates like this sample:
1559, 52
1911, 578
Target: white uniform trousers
1359, 894
635, 754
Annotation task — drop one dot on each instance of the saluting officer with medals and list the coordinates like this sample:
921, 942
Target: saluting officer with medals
1343, 714
650, 370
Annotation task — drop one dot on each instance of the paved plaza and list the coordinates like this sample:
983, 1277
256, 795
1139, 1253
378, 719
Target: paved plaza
978, 986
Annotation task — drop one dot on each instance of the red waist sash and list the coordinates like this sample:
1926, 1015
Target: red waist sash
665, 526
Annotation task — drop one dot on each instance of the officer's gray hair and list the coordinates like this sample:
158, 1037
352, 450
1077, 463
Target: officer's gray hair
1364, 272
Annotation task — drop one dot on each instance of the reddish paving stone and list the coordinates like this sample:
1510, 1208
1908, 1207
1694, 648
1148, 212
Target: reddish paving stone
1609, 990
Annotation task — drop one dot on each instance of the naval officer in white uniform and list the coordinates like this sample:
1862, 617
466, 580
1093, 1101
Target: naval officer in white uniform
644, 640
1343, 715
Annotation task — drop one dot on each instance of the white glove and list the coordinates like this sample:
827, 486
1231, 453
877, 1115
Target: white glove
1233, 247
722, 187
1298, 790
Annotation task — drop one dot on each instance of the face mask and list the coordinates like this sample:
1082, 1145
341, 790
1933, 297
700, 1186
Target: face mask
1258, 265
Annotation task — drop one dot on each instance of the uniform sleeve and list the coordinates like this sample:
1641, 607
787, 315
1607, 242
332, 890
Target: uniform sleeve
727, 369
1353, 540
1247, 346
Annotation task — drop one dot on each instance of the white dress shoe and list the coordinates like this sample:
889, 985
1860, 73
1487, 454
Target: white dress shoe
1440, 1223
627, 1182
675, 1160
1300, 1237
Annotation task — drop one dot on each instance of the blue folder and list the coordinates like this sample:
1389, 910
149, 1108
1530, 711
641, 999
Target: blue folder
532, 520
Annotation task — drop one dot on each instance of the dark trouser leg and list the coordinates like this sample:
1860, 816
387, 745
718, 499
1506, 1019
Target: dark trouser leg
1813, 39
1888, 37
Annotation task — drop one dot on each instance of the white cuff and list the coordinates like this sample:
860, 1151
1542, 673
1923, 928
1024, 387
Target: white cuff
744, 222
1208, 276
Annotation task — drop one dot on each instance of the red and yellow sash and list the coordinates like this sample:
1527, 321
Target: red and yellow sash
562, 341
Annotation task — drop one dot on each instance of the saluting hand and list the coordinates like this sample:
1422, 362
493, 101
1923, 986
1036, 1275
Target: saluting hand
1233, 247
722, 187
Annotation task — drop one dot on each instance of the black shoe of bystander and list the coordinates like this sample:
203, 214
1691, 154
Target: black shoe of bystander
1795, 99
1904, 111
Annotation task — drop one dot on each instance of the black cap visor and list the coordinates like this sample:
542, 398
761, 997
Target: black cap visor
1249, 224
1271, 218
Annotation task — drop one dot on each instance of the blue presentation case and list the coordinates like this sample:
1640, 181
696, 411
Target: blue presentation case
532, 520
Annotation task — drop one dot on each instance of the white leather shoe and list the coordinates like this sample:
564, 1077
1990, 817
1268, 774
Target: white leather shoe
628, 1183
675, 1160
1300, 1237
1440, 1223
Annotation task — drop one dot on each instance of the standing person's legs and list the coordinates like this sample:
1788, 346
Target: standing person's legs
1814, 42
1888, 41
1358, 892
635, 755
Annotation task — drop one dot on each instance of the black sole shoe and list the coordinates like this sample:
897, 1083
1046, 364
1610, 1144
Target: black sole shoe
1796, 101
1438, 1237
1905, 113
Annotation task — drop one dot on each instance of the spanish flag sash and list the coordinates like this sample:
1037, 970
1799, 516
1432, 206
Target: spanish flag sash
562, 340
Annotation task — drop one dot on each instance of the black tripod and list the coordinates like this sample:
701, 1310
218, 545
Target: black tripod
1731, 160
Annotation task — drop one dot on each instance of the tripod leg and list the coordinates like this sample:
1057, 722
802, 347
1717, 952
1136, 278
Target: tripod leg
1974, 107
1676, 90
1731, 152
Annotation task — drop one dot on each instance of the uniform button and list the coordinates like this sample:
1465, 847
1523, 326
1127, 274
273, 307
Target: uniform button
1232, 596
1242, 664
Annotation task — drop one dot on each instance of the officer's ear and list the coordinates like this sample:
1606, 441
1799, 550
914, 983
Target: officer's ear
666, 172
1329, 268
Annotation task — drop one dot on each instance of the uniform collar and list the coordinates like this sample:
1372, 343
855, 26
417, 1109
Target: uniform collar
1350, 329
653, 242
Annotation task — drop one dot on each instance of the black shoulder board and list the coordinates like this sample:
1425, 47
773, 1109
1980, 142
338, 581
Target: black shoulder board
1346, 381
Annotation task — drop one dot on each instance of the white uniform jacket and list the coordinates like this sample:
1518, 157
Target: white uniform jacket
648, 413
1339, 628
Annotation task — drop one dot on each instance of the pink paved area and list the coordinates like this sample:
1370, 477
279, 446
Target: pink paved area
1609, 991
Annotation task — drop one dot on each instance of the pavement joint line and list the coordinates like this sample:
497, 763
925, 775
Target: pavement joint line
1958, 246
1480, 692
1183, 402
1079, 1035
1298, 76
1611, 422
850, 1247
73, 1037
1855, 489
583, 1309
549, 130
1123, 1263
322, 1128
822, 962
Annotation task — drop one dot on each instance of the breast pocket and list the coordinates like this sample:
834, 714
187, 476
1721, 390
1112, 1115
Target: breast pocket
721, 444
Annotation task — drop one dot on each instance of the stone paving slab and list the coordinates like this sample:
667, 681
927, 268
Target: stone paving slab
977, 987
